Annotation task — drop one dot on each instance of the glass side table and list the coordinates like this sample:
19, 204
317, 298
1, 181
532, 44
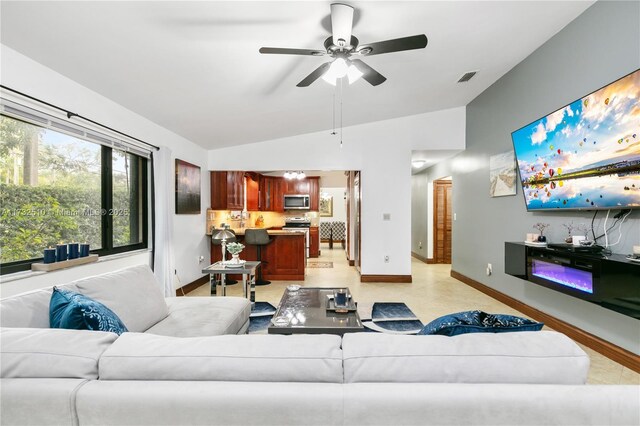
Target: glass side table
247, 270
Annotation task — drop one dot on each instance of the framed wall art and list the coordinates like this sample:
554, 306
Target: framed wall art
187, 188
502, 174
326, 206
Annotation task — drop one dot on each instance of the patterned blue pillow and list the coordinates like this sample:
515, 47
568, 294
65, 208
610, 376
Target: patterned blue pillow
75, 311
479, 322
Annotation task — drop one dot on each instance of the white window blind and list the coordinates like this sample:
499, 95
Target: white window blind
55, 121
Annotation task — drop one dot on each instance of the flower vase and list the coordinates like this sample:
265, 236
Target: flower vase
235, 258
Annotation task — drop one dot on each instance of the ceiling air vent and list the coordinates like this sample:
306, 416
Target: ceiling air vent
467, 76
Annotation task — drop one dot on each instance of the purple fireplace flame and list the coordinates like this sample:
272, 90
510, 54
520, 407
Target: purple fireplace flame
563, 275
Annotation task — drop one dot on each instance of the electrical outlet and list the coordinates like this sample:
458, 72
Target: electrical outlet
420, 245
386, 259
200, 259
455, 216
489, 269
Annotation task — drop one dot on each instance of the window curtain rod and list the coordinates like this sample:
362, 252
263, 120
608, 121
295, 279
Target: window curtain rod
73, 114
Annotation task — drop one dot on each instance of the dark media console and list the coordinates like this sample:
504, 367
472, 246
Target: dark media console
612, 281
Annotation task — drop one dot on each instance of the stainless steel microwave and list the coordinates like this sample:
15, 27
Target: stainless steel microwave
296, 202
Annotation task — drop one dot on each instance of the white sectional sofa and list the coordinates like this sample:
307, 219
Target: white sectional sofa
70, 377
134, 295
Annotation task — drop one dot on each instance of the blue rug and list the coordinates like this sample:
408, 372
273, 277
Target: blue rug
381, 317
390, 317
260, 317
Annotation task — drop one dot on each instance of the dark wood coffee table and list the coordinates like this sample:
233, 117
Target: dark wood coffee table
307, 313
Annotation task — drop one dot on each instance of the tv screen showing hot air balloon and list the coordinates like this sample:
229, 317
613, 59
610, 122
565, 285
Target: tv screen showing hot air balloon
586, 155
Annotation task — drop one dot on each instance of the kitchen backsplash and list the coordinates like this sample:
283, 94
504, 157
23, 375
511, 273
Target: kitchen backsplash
237, 219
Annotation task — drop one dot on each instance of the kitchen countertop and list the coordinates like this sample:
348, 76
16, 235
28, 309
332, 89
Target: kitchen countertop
240, 231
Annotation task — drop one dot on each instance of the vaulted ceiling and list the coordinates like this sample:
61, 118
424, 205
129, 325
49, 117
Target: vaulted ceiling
194, 67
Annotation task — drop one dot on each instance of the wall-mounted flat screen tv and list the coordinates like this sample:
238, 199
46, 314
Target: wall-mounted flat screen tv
586, 155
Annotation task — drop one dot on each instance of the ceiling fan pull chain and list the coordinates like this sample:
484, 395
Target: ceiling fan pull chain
341, 96
333, 133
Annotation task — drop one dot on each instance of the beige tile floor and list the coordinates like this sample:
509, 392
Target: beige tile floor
432, 293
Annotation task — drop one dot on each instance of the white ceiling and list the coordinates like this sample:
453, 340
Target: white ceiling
194, 67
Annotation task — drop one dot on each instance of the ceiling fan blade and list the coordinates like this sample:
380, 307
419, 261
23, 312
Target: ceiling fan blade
395, 45
316, 74
341, 23
286, 51
369, 74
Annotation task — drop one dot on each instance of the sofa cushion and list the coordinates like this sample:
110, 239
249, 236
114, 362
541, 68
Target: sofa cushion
479, 322
37, 352
76, 311
243, 358
30, 309
176, 403
39, 402
541, 357
132, 293
203, 316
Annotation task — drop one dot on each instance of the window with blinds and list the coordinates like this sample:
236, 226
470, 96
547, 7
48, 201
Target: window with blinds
63, 183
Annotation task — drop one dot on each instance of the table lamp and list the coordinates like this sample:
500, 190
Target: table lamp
222, 236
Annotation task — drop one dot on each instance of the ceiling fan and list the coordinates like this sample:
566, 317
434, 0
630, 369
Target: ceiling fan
342, 45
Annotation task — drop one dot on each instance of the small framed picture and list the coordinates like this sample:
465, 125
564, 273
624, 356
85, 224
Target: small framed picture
326, 206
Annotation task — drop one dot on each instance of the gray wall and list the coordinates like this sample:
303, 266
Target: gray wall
419, 228
600, 46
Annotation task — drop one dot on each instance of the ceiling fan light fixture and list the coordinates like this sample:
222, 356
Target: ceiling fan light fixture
353, 73
329, 78
301, 175
339, 68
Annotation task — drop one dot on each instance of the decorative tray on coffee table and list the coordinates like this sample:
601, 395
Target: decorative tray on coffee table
351, 305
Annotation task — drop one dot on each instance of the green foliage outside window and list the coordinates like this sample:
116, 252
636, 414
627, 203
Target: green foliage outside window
50, 192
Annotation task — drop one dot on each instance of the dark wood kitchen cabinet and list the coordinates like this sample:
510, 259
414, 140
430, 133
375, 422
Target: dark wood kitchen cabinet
271, 194
227, 190
297, 186
314, 193
314, 241
252, 182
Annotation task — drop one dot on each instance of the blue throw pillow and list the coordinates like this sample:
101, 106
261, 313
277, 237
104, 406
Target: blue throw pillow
75, 311
479, 322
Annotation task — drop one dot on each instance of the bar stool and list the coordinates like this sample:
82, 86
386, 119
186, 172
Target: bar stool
258, 238
217, 242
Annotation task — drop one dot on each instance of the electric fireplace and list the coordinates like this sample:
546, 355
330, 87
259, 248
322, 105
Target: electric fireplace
610, 281
563, 275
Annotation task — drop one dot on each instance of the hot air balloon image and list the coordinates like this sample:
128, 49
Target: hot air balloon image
559, 150
551, 172
559, 170
606, 101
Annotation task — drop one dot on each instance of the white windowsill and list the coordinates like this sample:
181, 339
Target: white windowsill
29, 274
